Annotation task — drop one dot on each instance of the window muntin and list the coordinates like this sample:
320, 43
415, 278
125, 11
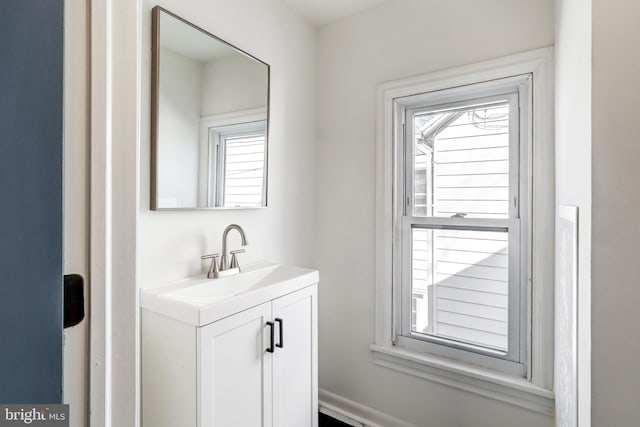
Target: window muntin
462, 245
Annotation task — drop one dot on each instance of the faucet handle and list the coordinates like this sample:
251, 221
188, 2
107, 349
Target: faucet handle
234, 259
213, 270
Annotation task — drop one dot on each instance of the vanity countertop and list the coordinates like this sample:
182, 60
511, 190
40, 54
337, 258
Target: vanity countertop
199, 301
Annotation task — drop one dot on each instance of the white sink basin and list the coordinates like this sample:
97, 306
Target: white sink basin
199, 301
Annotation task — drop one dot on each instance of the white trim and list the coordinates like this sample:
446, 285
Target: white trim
356, 414
76, 201
234, 118
212, 131
542, 199
127, 59
249, 115
543, 221
114, 323
566, 336
484, 382
100, 262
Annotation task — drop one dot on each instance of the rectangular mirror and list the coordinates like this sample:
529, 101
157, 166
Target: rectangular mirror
209, 120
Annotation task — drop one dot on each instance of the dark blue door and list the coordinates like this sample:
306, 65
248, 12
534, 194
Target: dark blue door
31, 61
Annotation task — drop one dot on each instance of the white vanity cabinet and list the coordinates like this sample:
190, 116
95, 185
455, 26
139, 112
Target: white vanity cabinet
235, 375
242, 384
222, 373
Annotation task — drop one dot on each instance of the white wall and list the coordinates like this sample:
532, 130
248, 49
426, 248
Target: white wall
236, 82
178, 129
170, 242
616, 213
573, 180
394, 40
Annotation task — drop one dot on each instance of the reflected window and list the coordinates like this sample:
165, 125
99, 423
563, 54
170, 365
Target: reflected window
237, 165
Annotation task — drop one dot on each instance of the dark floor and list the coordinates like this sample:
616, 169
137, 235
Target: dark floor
327, 421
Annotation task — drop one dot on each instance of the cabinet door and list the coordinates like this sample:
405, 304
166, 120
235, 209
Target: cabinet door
235, 371
295, 365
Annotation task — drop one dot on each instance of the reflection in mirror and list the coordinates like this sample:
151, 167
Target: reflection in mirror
209, 120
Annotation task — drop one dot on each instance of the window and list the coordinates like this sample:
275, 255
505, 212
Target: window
232, 172
237, 153
465, 228
461, 239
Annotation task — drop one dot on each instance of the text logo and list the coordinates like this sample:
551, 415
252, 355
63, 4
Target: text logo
34, 415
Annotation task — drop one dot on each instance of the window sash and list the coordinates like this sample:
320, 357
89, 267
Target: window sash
467, 351
217, 146
513, 360
514, 145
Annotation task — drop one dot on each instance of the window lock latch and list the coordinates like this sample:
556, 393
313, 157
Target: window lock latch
459, 215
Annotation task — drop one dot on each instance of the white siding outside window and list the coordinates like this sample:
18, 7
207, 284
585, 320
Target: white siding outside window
243, 170
460, 283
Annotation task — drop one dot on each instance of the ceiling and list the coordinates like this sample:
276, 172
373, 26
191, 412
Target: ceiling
322, 12
189, 41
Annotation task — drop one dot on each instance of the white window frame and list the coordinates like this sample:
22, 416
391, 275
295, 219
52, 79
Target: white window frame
530, 389
516, 90
218, 137
258, 114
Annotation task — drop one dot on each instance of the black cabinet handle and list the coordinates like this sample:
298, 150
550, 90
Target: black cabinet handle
271, 348
281, 329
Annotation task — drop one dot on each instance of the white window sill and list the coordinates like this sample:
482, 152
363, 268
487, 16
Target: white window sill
505, 388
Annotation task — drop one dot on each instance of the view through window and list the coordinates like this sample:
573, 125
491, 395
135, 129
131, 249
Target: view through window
460, 277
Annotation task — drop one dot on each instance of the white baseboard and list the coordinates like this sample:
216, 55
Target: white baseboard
354, 413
